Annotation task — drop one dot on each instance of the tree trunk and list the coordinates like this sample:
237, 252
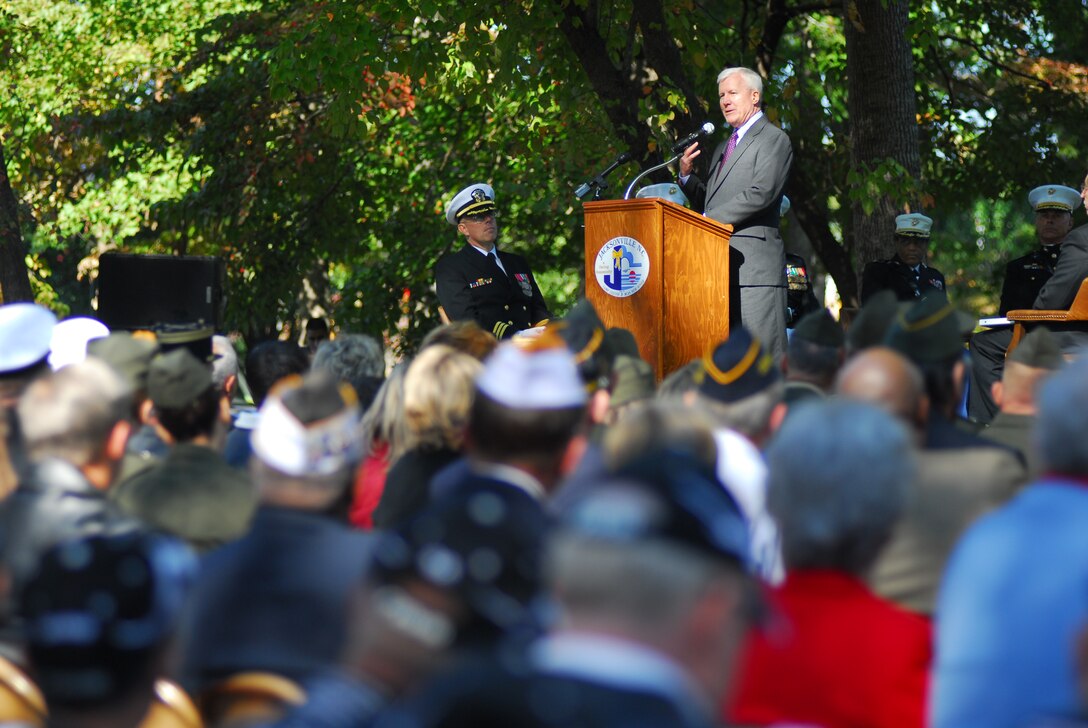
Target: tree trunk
883, 115
14, 279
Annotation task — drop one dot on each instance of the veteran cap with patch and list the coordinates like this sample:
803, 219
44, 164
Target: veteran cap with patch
542, 376
737, 368
481, 543
475, 199
819, 328
176, 378
930, 331
1054, 197
128, 355
1039, 350
913, 225
309, 426
98, 608
196, 337
26, 331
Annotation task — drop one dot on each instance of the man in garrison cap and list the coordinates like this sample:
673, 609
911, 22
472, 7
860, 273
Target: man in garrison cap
478, 282
905, 273
191, 493
988, 348
1025, 276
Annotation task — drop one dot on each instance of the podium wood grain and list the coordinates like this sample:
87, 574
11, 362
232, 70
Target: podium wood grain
683, 306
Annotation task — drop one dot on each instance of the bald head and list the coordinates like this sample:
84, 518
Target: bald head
887, 379
1015, 393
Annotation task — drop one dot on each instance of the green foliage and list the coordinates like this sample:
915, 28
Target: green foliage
313, 145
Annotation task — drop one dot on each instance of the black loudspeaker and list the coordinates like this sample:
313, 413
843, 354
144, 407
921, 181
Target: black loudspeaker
140, 291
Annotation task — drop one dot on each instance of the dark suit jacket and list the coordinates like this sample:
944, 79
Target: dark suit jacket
275, 600
747, 194
471, 288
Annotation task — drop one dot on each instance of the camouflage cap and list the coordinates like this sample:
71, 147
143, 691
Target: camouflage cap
176, 378
1040, 350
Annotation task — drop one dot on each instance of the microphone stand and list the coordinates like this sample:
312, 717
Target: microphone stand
598, 183
627, 194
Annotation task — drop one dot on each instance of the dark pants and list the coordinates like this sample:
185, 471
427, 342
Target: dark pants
987, 364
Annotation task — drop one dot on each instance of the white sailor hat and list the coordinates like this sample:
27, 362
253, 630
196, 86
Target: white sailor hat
26, 330
541, 375
474, 199
68, 344
913, 224
1054, 197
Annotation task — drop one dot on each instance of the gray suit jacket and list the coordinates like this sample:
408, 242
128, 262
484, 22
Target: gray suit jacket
746, 194
1072, 268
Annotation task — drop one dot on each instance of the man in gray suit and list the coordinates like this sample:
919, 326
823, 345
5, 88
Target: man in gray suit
743, 189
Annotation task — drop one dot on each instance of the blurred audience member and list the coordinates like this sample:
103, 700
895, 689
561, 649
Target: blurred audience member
1013, 597
836, 654
384, 430
266, 364
438, 393
99, 615
192, 493
275, 600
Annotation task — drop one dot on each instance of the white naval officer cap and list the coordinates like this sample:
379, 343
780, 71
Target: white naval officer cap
26, 330
475, 198
913, 224
1054, 197
68, 345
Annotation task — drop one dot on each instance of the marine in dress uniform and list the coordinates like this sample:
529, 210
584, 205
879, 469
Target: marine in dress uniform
905, 273
1025, 276
478, 282
1057, 291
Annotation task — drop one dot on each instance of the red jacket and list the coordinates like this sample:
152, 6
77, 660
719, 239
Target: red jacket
834, 655
369, 486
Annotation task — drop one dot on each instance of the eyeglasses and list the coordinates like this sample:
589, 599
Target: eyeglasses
480, 216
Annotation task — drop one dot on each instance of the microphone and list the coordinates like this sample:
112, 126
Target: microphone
598, 182
705, 130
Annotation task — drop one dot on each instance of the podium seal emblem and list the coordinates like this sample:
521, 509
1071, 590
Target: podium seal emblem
622, 267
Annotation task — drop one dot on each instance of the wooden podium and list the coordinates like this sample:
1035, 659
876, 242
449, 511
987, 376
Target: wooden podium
661, 271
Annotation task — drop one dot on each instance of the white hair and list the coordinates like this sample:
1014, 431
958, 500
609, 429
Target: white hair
751, 79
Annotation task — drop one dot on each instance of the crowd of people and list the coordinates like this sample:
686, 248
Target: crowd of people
524, 524
537, 532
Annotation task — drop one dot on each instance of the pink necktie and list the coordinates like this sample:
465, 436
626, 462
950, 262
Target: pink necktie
729, 149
